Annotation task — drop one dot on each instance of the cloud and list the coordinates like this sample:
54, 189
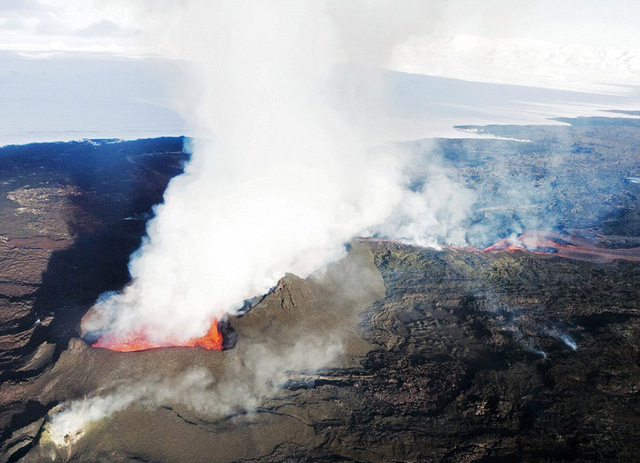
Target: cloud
104, 28
66, 26
568, 45
575, 45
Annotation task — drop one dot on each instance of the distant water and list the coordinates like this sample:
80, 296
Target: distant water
74, 98
417, 106
424, 106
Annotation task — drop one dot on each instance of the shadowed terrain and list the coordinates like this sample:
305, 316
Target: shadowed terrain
71, 213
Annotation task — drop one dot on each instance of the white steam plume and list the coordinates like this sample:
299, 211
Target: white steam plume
434, 208
277, 183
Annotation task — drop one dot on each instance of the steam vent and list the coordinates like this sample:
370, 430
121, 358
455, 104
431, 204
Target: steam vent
522, 345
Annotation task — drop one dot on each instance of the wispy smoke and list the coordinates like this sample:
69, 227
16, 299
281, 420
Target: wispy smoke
527, 326
278, 180
249, 377
435, 205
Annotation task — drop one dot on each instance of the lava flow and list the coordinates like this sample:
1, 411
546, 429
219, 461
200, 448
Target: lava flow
137, 342
569, 246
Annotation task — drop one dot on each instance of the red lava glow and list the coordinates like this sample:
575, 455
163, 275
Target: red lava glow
137, 342
577, 245
567, 246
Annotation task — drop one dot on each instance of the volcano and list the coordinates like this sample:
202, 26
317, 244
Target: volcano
511, 349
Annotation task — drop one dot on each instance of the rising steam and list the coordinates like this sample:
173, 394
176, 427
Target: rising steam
278, 180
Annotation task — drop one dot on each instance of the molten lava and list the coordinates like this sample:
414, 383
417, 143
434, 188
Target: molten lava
569, 246
138, 341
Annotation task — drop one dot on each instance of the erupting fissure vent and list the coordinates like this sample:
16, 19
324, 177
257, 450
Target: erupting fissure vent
585, 248
137, 342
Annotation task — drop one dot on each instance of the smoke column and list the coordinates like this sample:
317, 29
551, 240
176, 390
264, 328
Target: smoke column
278, 181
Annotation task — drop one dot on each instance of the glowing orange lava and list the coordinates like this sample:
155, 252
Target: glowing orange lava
569, 246
136, 342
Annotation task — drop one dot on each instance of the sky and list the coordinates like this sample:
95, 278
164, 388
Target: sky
85, 69
73, 70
